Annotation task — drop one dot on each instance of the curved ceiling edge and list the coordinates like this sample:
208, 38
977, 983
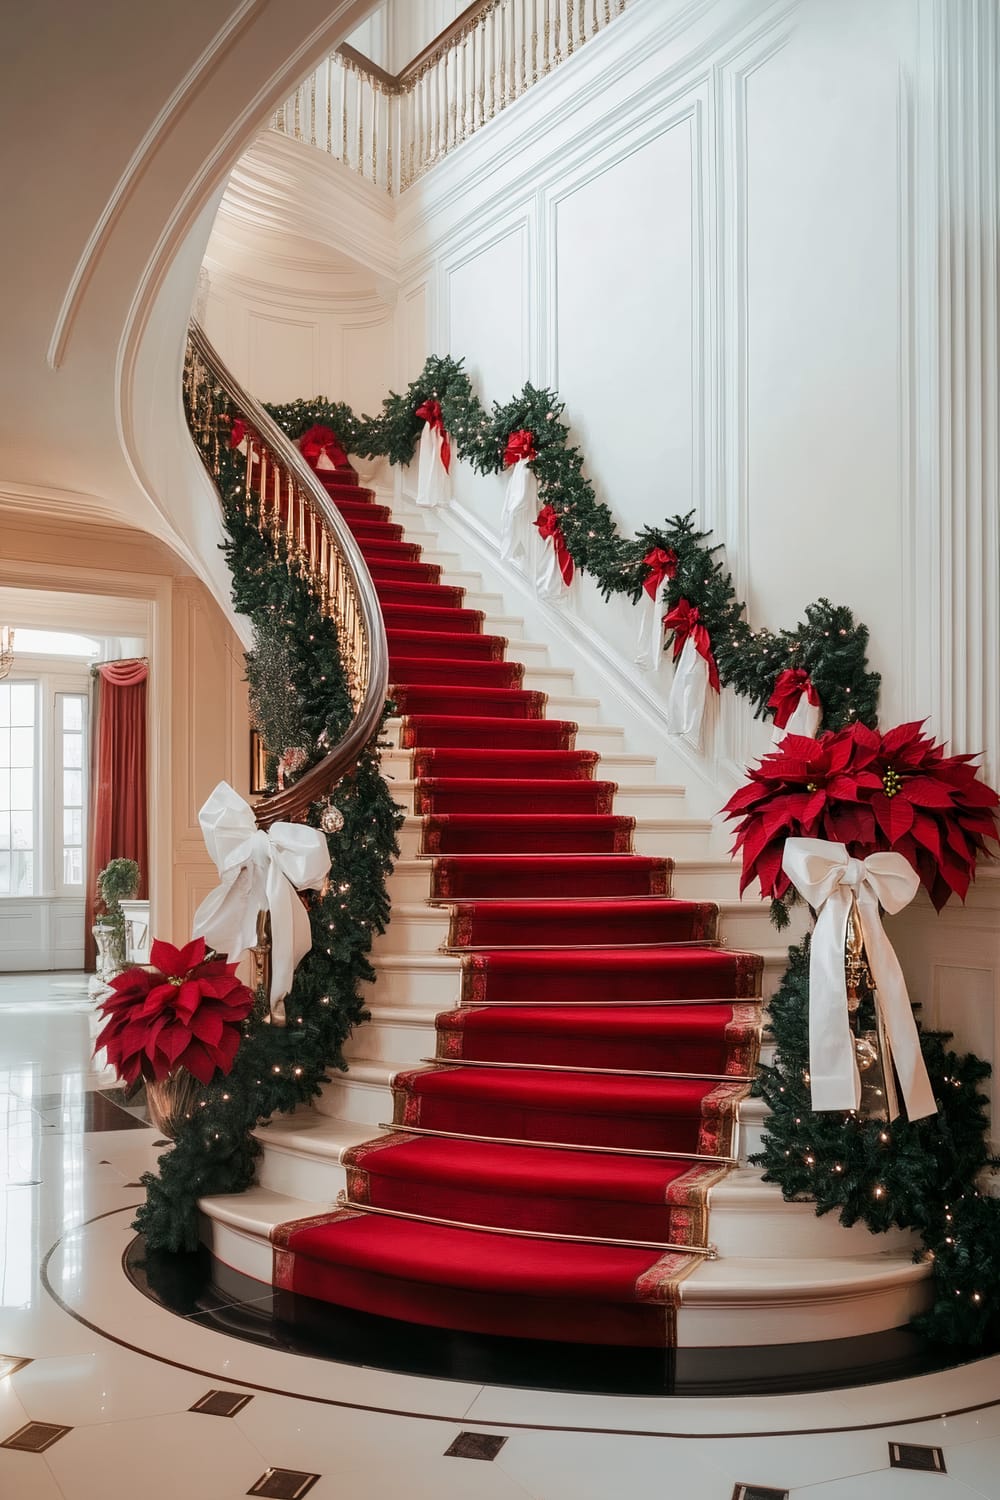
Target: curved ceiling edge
135, 169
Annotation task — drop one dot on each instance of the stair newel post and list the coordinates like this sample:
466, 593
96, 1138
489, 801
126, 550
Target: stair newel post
260, 961
874, 1059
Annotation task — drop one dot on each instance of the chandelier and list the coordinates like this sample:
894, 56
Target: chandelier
6, 650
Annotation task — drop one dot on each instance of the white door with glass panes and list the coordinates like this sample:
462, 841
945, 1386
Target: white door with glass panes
43, 814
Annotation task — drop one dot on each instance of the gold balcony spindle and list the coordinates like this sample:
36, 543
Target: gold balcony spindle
375, 98
329, 106
480, 39
312, 110
262, 480
557, 6
582, 22
297, 115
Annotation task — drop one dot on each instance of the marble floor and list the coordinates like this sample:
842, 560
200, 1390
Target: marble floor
106, 1395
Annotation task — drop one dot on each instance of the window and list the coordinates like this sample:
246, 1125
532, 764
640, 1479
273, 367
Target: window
18, 787
71, 728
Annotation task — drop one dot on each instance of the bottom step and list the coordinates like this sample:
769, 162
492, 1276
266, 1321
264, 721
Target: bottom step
483, 1283
729, 1302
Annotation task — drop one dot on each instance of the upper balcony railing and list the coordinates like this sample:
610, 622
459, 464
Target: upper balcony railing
392, 127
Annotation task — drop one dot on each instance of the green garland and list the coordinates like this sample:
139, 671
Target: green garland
278, 1068
909, 1175
828, 643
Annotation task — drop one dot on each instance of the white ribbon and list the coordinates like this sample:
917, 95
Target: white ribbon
433, 479
804, 719
549, 582
688, 695
261, 871
826, 875
649, 650
520, 503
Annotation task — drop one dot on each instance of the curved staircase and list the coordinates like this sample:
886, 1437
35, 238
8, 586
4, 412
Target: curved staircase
538, 1136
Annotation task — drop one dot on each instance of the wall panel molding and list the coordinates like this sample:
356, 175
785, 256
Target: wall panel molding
954, 603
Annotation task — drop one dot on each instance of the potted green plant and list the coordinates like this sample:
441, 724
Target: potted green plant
117, 882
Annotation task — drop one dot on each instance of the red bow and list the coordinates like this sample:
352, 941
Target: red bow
430, 411
661, 564
520, 444
238, 432
788, 689
684, 620
547, 522
318, 440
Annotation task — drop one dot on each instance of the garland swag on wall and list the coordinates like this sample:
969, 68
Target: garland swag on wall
278, 1068
828, 643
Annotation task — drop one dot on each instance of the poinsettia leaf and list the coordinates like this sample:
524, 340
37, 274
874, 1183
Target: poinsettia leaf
191, 955
894, 816
899, 738
165, 957
927, 832
925, 792
198, 1061
207, 1026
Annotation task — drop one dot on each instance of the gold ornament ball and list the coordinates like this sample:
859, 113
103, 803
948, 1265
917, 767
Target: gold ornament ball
331, 819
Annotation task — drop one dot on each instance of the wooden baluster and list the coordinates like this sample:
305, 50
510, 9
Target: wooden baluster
297, 114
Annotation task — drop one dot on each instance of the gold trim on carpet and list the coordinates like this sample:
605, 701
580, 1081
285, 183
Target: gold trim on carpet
687, 1198
662, 1283
749, 973
718, 1118
743, 1037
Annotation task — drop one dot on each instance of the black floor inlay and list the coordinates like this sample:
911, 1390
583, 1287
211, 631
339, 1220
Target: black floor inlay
217, 1297
284, 1484
484, 1445
916, 1456
221, 1403
35, 1437
758, 1492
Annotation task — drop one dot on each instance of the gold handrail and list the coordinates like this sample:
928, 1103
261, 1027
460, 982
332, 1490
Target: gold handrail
289, 498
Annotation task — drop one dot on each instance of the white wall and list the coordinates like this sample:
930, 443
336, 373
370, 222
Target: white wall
698, 243
293, 318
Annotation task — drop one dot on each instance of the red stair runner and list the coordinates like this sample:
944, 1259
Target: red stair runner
548, 1175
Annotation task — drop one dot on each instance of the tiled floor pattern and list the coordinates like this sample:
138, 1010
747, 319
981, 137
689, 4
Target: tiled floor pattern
189, 1411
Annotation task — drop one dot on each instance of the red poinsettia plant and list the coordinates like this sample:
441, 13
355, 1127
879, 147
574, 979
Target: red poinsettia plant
871, 791
182, 1011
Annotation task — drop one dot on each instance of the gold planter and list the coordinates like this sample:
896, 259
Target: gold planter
171, 1101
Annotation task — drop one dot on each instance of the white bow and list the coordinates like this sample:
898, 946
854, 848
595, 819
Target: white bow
261, 871
826, 875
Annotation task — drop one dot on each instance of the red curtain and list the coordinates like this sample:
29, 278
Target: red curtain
118, 825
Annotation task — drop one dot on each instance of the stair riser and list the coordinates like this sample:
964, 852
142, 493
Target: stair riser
678, 840
792, 1231
752, 1319
406, 984
427, 931
346, 1098
606, 739
315, 1178
629, 802
397, 764
394, 1043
